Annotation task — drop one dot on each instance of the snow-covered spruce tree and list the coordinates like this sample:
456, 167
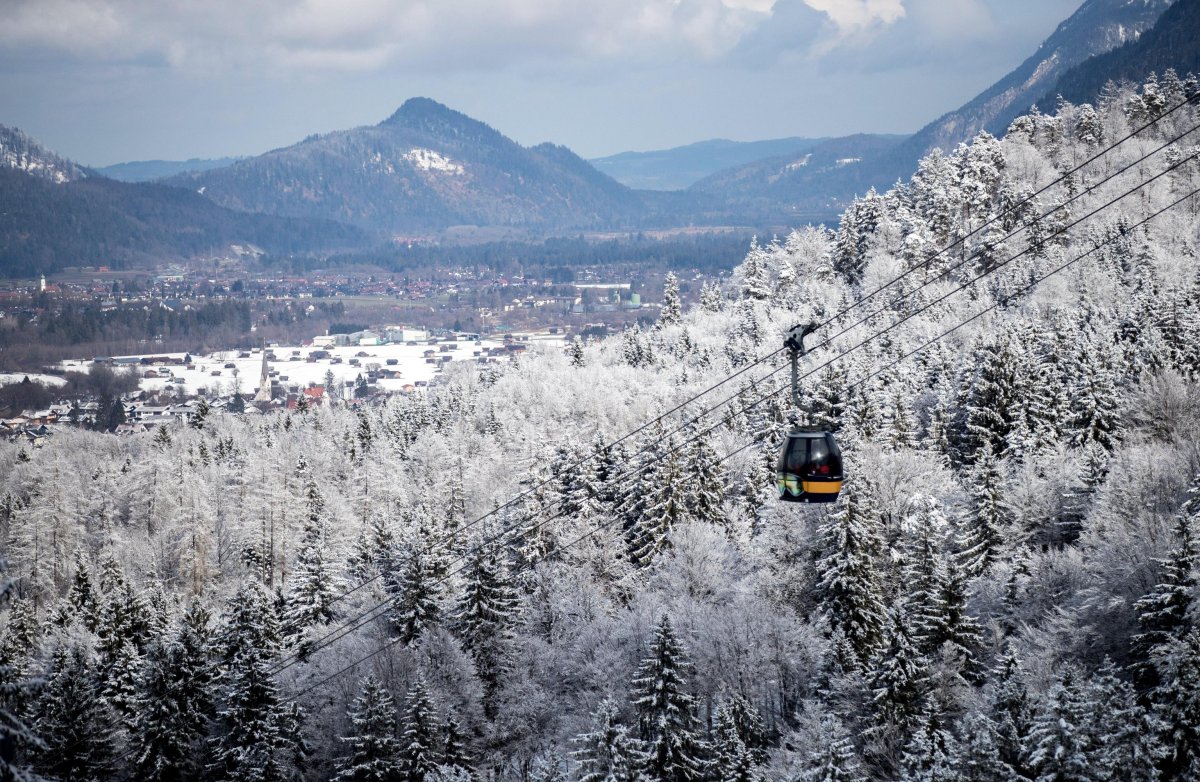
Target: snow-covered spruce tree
899, 684
374, 747
257, 734
418, 756
485, 615
732, 760
930, 753
666, 711
1176, 701
1061, 745
671, 313
833, 759
415, 591
15, 735
1011, 717
1163, 613
607, 752
1127, 744
849, 591
75, 725
454, 748
310, 590
663, 498
174, 704
982, 537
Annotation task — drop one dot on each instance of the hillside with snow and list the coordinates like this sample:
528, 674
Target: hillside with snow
574, 568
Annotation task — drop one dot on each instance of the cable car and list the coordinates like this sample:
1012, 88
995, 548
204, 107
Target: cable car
809, 468
810, 463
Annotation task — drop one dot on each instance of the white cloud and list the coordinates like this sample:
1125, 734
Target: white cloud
373, 34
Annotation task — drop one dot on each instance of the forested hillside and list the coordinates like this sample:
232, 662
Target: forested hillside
1009, 353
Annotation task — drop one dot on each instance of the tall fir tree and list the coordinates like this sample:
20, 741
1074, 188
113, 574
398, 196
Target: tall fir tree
671, 313
174, 704
1176, 702
257, 738
1061, 746
374, 747
666, 711
486, 613
75, 725
607, 752
849, 590
1163, 613
833, 758
310, 591
415, 592
418, 756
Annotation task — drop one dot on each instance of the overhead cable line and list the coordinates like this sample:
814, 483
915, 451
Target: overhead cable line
432, 545
379, 609
590, 533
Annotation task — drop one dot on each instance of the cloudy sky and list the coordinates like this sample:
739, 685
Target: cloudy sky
105, 81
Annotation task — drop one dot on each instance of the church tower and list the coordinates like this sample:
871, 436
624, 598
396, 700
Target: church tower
264, 383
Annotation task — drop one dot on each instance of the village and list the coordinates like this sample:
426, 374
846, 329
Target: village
353, 369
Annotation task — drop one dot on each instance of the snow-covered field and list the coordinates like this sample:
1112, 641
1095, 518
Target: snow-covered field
222, 372
17, 377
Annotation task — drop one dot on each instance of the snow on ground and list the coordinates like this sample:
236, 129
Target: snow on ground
213, 374
17, 377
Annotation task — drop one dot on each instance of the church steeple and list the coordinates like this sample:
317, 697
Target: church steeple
264, 383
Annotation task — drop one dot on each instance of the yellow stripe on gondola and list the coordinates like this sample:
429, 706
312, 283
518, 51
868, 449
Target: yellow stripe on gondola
822, 487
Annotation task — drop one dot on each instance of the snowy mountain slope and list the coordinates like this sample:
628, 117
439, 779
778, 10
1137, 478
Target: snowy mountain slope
1007, 584
1170, 45
22, 153
1097, 27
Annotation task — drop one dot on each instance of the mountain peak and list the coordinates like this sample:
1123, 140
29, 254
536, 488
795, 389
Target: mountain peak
426, 115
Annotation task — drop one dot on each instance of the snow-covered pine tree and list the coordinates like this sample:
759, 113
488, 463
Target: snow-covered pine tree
666, 711
978, 758
15, 735
899, 684
672, 306
415, 591
485, 615
833, 759
1094, 407
82, 598
710, 297
418, 756
1175, 702
982, 537
849, 591
1061, 746
732, 760
1163, 612
310, 589
663, 499
454, 747
374, 747
258, 733
1012, 717
74, 723
930, 754
706, 484
174, 704
1127, 747
607, 752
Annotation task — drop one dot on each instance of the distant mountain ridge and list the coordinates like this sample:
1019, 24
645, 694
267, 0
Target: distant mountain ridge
149, 170
54, 213
21, 152
424, 168
1170, 44
813, 185
1097, 26
681, 167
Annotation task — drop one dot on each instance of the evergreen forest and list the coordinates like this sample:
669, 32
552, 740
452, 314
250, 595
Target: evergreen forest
575, 567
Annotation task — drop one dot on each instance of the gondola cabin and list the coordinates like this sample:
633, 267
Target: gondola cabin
809, 468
